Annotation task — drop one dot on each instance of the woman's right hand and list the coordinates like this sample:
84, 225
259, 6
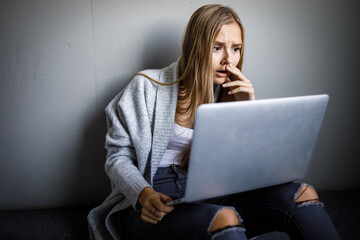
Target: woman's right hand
153, 205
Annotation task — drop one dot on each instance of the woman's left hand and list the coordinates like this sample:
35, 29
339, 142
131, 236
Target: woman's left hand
241, 88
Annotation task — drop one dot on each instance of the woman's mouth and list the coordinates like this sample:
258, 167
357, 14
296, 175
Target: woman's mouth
222, 73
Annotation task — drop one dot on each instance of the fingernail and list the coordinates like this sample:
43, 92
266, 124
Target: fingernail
224, 85
229, 93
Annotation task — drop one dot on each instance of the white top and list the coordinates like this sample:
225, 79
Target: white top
180, 139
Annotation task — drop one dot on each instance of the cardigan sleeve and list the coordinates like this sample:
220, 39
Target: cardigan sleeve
128, 139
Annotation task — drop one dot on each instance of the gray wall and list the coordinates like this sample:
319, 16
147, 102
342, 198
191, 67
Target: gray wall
62, 61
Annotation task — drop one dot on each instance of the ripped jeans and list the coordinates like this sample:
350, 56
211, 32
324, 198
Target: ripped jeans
264, 210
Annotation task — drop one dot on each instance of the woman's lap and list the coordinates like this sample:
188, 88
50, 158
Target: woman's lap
275, 209
186, 221
263, 210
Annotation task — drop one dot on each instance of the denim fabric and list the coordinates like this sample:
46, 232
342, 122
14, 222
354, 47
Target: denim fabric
232, 233
263, 210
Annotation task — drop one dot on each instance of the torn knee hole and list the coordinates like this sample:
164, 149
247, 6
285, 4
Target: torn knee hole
221, 230
306, 194
225, 219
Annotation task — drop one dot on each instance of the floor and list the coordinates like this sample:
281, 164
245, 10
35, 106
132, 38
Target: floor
344, 210
70, 223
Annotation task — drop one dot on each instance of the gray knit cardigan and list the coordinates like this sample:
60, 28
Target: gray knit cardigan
139, 123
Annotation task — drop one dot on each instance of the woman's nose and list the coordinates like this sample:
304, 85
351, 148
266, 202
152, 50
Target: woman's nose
226, 58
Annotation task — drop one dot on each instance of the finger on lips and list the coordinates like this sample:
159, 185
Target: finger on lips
228, 67
234, 70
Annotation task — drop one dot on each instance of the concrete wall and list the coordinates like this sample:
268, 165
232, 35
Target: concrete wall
61, 62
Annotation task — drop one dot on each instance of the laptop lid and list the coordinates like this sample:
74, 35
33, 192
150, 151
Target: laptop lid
241, 146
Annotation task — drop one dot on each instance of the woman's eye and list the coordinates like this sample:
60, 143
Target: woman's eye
236, 49
216, 48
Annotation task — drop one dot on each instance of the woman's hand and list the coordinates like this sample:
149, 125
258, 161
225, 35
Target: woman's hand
241, 88
153, 203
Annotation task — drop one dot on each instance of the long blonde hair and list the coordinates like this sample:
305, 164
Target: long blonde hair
196, 76
196, 57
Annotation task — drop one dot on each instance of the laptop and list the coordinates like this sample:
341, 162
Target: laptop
247, 145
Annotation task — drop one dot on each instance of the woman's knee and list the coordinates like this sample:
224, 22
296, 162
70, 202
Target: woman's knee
225, 218
306, 194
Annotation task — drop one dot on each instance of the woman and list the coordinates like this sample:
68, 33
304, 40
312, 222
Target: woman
149, 133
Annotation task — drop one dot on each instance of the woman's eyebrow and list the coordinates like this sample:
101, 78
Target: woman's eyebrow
222, 44
219, 43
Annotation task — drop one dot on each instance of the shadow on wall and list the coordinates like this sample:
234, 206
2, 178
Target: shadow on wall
93, 184
161, 48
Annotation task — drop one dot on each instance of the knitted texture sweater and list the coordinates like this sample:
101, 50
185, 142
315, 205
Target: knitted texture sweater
139, 123
140, 120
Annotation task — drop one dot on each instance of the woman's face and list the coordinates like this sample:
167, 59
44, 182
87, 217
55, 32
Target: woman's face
226, 50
